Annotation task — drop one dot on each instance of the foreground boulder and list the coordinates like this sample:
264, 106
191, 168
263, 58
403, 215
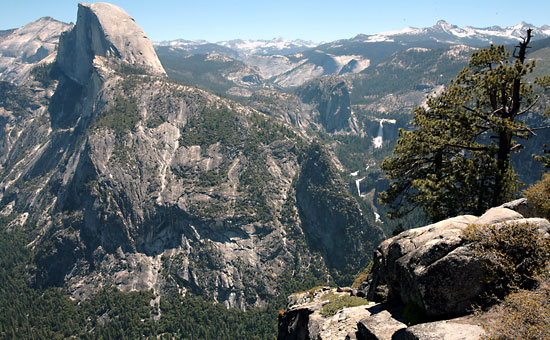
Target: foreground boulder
433, 268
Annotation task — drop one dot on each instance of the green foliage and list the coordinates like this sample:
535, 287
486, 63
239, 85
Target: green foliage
324, 200
352, 151
213, 126
339, 302
538, 194
213, 177
405, 71
199, 70
43, 74
121, 118
545, 159
513, 254
127, 69
192, 317
14, 98
253, 182
457, 158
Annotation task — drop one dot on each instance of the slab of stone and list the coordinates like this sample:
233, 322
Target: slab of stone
440, 330
379, 326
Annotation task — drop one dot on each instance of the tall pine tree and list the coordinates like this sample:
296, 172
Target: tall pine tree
457, 157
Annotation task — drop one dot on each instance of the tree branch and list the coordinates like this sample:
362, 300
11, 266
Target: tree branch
531, 130
469, 148
529, 107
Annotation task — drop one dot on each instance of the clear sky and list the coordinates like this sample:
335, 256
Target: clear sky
316, 20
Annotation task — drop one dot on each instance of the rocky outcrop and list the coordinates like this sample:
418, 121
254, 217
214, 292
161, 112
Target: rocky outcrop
430, 274
303, 318
525, 208
28, 46
287, 107
104, 30
434, 268
379, 326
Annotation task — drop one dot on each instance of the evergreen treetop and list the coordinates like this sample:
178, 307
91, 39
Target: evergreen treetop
457, 157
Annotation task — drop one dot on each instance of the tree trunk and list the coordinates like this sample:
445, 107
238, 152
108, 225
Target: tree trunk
503, 165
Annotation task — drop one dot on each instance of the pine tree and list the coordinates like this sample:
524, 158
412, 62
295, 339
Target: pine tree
457, 157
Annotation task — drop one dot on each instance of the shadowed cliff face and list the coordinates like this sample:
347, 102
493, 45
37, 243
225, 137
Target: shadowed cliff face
330, 97
133, 180
332, 220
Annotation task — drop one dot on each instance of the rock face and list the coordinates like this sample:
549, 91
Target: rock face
104, 30
330, 97
24, 48
328, 217
130, 179
433, 268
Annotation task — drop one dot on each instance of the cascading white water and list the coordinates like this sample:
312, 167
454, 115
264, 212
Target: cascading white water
379, 139
358, 185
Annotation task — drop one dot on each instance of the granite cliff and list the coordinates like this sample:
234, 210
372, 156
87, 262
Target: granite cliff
126, 178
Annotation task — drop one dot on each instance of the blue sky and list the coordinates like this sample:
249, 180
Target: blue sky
318, 20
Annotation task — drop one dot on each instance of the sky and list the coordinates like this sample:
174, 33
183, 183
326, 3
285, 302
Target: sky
319, 20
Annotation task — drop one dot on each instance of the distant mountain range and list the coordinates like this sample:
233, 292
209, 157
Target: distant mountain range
442, 32
253, 64
245, 47
282, 63
446, 33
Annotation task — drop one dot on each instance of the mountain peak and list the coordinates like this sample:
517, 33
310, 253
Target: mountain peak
24, 47
442, 24
105, 30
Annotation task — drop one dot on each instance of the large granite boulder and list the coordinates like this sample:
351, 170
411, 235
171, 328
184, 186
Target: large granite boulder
433, 267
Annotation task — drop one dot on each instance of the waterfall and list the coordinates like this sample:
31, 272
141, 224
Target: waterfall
378, 140
358, 185
381, 129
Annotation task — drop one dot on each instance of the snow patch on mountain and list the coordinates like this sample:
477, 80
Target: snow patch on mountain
448, 33
265, 47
